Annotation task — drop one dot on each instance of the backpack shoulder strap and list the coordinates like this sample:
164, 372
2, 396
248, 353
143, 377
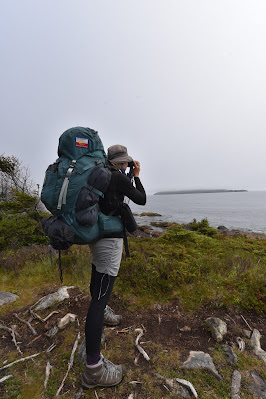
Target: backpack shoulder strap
63, 192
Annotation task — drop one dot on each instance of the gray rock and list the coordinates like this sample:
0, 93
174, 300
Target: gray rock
54, 298
199, 359
247, 333
174, 387
232, 357
255, 342
258, 386
218, 328
69, 317
222, 229
7, 297
241, 344
236, 383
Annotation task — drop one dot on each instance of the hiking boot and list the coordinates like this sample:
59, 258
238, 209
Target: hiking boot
110, 318
106, 374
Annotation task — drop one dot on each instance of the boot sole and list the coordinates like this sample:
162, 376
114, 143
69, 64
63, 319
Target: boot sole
86, 386
110, 324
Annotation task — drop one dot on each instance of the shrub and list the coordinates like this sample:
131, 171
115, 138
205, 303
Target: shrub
202, 227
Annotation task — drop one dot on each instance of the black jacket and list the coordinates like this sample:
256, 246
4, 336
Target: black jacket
119, 187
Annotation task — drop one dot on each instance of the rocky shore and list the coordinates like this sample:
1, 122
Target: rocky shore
155, 229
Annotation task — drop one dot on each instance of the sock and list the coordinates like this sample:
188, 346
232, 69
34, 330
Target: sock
93, 360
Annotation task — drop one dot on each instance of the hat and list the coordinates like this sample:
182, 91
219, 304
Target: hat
118, 154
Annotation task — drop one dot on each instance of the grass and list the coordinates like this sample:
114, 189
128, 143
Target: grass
198, 268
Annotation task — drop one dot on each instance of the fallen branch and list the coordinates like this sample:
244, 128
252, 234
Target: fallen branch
140, 349
36, 316
246, 322
15, 341
35, 339
51, 348
70, 364
2, 327
231, 318
136, 359
5, 378
34, 332
124, 330
19, 360
50, 315
47, 373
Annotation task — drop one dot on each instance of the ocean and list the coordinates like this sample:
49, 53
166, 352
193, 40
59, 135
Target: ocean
244, 211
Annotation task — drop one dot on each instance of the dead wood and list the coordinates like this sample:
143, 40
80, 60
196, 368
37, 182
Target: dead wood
34, 332
19, 360
70, 364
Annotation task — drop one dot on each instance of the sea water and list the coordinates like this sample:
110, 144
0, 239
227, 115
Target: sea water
245, 211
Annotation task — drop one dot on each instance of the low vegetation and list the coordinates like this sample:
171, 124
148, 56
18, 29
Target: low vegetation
188, 272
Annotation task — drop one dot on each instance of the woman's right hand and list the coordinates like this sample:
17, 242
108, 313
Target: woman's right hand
136, 169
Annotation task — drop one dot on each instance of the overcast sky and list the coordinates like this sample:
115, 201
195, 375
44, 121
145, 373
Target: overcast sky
181, 83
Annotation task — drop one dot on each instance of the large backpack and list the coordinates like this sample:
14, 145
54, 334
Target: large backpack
71, 191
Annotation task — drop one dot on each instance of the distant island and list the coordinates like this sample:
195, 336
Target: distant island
199, 191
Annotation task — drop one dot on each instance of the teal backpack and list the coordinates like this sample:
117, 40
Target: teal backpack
71, 191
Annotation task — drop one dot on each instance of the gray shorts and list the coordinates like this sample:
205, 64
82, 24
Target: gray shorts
107, 254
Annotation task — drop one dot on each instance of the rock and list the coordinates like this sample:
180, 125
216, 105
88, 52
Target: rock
52, 332
241, 344
199, 359
258, 386
185, 328
7, 297
255, 342
189, 386
235, 387
69, 317
54, 298
175, 387
218, 328
222, 229
232, 357
247, 333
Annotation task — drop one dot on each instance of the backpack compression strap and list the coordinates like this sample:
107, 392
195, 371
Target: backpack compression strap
63, 192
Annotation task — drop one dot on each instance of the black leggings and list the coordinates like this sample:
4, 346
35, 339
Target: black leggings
101, 287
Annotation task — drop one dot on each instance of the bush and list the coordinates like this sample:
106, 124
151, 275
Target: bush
20, 222
202, 227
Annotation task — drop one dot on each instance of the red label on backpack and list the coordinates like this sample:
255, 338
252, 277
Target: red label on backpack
81, 142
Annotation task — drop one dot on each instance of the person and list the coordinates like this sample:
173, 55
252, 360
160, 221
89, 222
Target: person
106, 258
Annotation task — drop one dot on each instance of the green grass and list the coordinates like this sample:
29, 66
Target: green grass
196, 268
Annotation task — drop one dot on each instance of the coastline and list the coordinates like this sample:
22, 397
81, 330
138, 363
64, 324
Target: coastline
156, 229
215, 191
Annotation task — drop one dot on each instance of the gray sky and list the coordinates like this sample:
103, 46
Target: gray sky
181, 83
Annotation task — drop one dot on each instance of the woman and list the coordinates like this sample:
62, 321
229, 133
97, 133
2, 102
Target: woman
106, 258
